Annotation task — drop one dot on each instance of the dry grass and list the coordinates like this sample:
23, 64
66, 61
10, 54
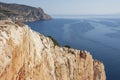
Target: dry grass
20, 24
9, 23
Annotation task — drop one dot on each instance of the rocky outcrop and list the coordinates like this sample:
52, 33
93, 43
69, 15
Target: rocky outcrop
22, 13
28, 55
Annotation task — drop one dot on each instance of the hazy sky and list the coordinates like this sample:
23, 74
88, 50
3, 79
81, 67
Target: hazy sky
73, 7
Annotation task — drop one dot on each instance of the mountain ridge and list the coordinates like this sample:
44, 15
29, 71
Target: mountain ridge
23, 13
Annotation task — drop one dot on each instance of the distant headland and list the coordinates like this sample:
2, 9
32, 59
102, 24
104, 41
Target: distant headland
23, 13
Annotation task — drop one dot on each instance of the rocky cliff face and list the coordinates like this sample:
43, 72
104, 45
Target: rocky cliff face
28, 55
22, 13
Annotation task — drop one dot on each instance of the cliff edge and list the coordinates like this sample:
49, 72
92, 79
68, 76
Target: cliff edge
28, 55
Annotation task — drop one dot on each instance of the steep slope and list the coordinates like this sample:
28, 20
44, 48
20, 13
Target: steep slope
22, 13
28, 55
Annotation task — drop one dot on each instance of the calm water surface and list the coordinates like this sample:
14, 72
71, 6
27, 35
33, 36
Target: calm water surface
101, 37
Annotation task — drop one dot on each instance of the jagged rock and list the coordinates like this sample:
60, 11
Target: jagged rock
28, 55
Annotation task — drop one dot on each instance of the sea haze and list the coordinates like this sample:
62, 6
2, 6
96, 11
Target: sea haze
108, 16
99, 36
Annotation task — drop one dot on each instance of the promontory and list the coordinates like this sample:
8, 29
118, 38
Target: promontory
23, 13
28, 55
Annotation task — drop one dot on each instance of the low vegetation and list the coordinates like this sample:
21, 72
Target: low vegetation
67, 46
19, 23
54, 41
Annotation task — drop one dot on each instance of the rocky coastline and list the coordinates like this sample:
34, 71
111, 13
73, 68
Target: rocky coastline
29, 55
22, 13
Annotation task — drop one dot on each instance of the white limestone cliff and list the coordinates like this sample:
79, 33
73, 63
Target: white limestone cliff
28, 55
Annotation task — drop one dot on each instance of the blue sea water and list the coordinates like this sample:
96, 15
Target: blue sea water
99, 36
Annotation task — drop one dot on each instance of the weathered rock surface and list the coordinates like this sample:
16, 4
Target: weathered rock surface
22, 13
28, 55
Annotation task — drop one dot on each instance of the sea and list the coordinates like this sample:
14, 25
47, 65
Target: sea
98, 35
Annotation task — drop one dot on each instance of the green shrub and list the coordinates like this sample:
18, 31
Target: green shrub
67, 46
54, 41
